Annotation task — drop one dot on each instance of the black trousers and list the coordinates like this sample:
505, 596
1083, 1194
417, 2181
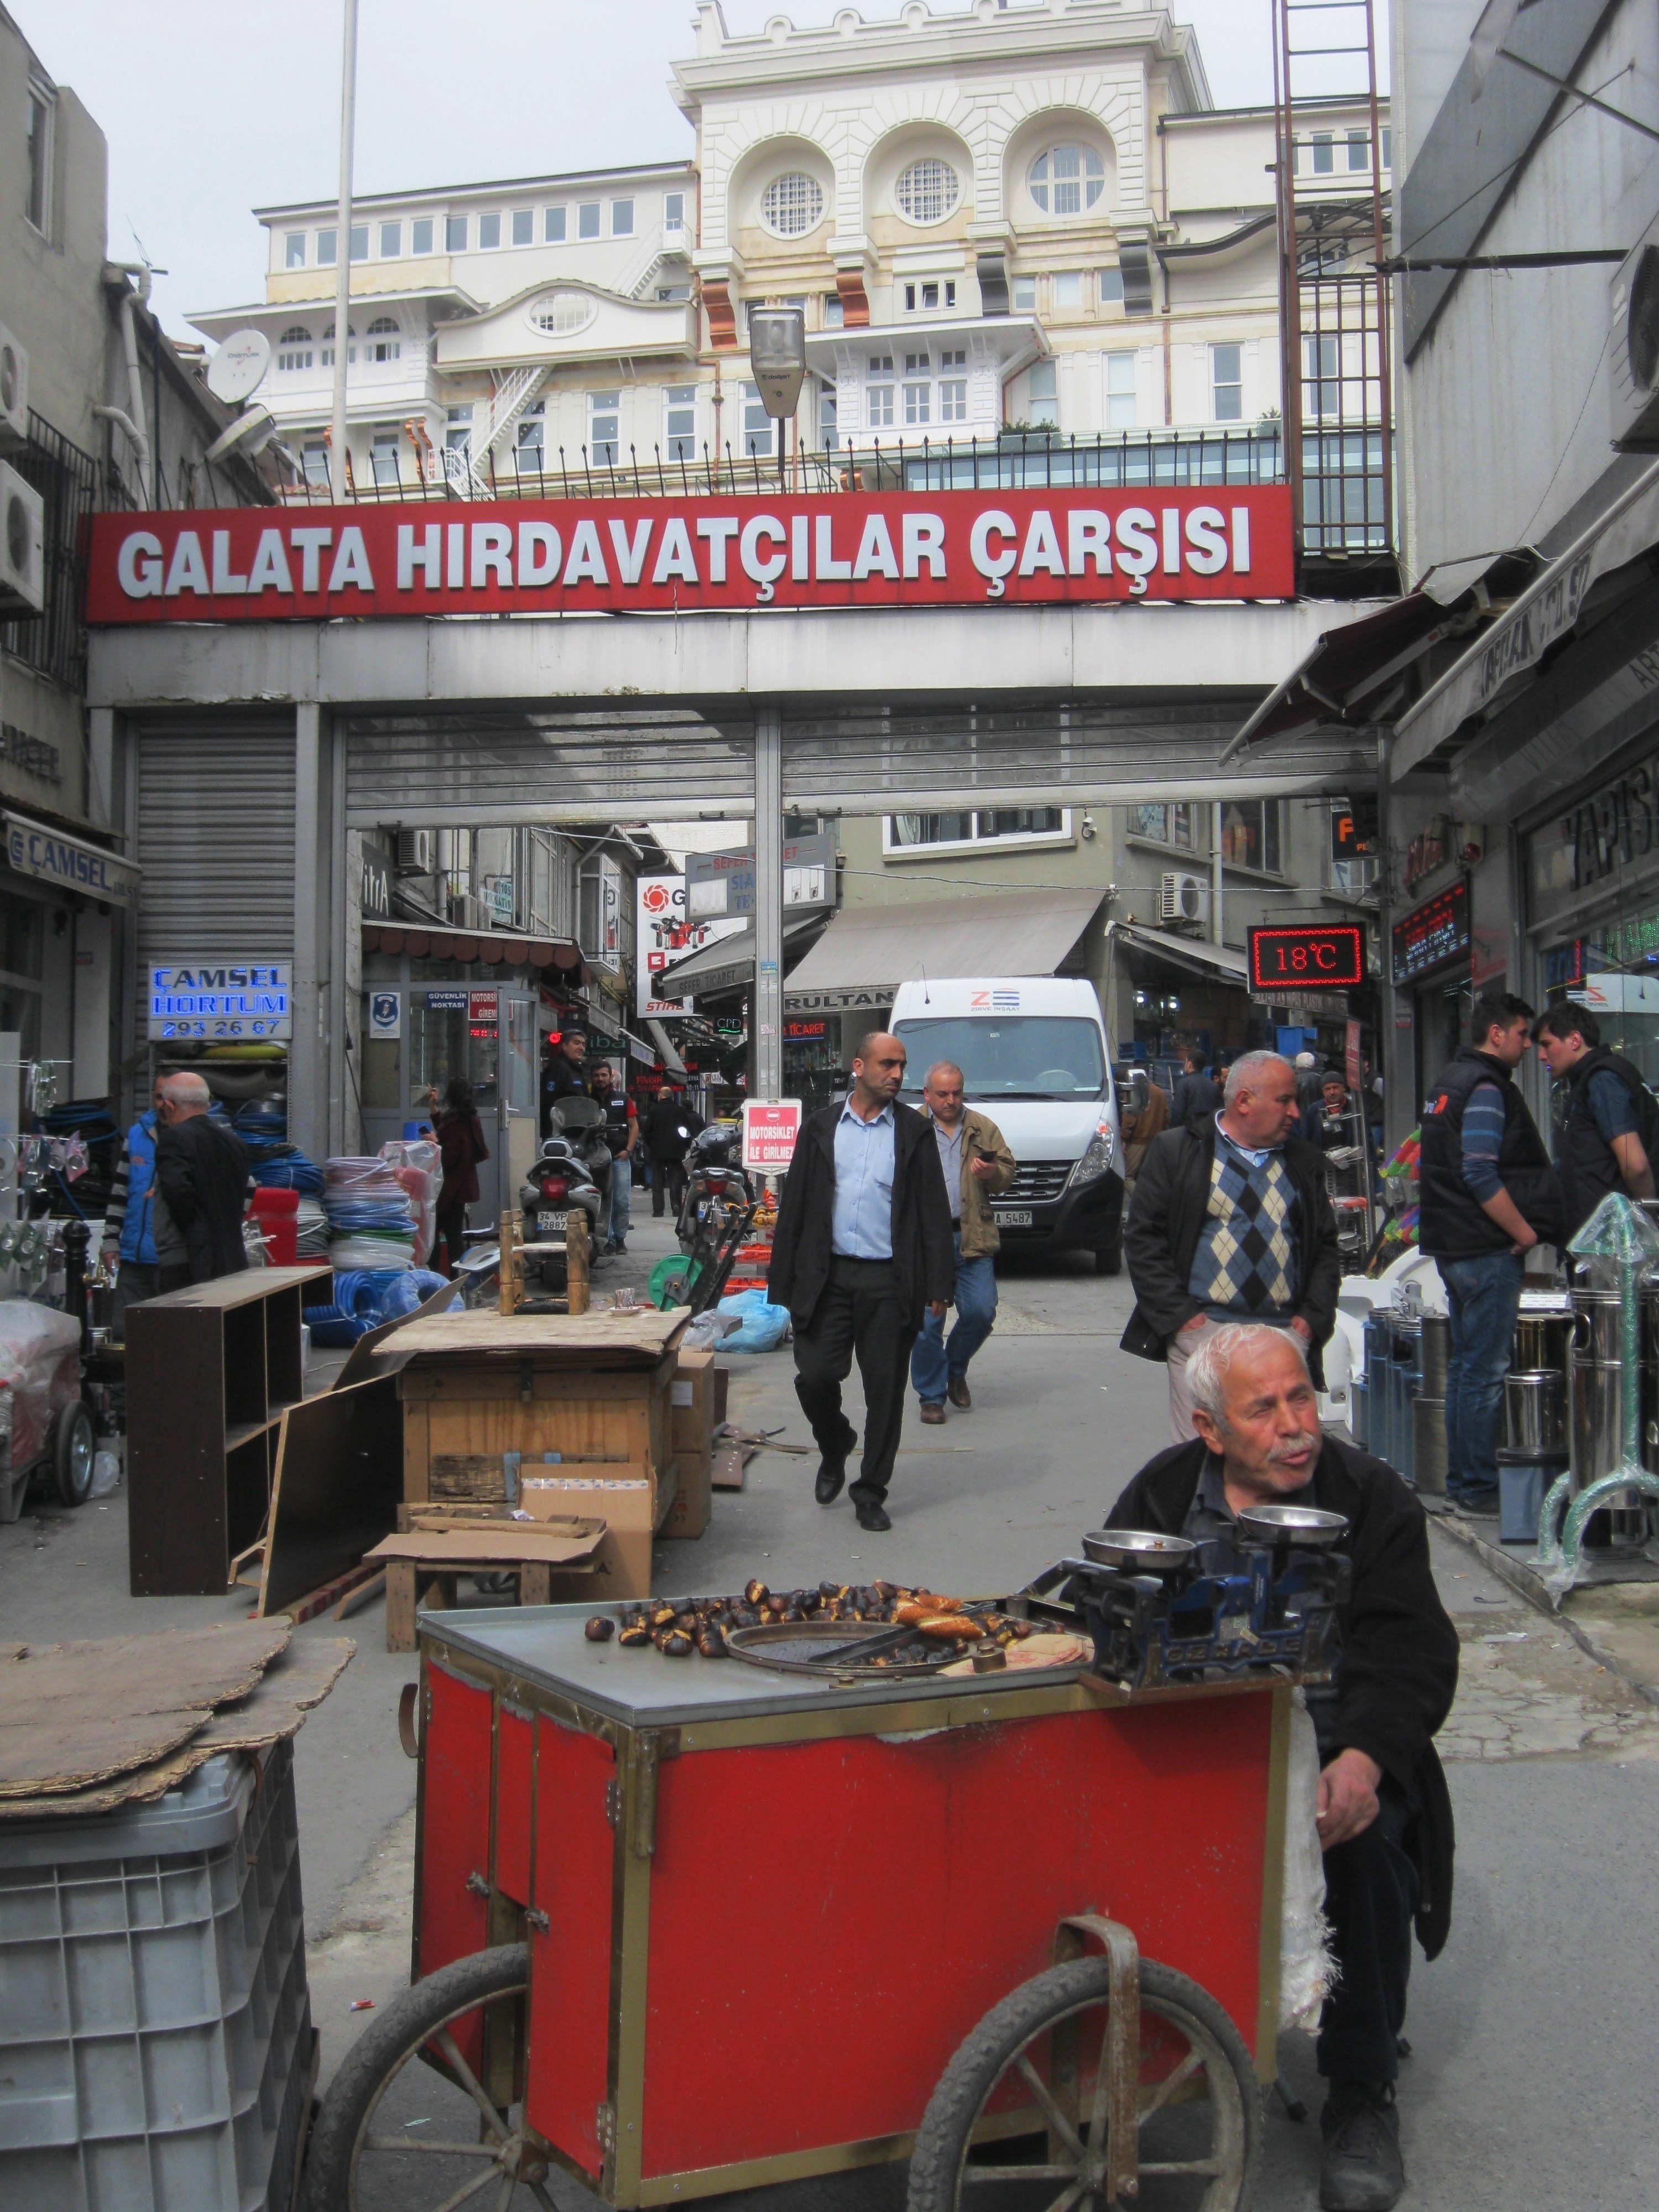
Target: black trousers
669, 1176
859, 1313
1371, 1894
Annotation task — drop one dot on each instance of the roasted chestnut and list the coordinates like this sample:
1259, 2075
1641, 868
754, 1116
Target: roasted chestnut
712, 1643
634, 1634
676, 1645
600, 1629
755, 1591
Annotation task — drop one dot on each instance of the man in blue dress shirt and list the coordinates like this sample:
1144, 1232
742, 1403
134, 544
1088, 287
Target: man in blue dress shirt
862, 1248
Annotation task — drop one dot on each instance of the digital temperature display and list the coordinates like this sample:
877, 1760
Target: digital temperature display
1307, 958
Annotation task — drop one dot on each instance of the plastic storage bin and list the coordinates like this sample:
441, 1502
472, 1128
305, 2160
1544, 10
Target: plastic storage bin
155, 2037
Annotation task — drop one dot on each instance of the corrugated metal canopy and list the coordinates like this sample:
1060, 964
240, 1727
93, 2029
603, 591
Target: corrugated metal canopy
1196, 954
875, 949
726, 965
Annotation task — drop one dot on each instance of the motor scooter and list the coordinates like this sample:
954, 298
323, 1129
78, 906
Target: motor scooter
563, 1178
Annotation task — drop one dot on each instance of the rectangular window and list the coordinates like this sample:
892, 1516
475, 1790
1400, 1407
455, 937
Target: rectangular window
1250, 833
758, 435
457, 429
489, 233
524, 226
1165, 824
1324, 154
383, 455
835, 313
391, 240
1120, 391
553, 226
1386, 134
293, 249
1227, 383
360, 242
1321, 378
316, 461
879, 401
670, 292
1045, 397
953, 400
828, 423
327, 248
420, 234
529, 437
622, 218
293, 349
604, 427
587, 219
918, 402
902, 831
1068, 289
1111, 288
1024, 295
679, 421
40, 200
454, 234
1360, 150
673, 211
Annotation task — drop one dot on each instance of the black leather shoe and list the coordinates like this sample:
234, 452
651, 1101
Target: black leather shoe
1362, 2170
832, 1473
874, 1516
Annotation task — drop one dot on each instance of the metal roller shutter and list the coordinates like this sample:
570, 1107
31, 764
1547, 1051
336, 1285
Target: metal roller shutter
533, 766
215, 841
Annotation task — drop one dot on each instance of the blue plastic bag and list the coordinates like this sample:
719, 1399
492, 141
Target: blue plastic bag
763, 1327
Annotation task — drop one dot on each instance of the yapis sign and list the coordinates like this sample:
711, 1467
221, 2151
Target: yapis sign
677, 555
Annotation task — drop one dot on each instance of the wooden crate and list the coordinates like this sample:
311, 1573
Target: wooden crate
460, 1411
209, 1370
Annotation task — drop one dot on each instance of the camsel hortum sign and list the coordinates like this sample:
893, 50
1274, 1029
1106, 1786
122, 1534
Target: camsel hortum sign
677, 555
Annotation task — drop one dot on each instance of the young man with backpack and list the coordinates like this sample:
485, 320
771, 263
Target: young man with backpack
1610, 1131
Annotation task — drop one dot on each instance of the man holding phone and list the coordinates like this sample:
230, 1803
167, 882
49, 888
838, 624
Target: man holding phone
977, 1164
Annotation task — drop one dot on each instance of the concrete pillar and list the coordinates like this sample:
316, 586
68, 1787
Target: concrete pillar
768, 1014
307, 1052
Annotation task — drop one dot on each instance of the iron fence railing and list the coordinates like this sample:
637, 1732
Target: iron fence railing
54, 641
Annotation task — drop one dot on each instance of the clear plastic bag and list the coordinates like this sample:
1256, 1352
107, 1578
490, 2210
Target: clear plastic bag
417, 1165
40, 1360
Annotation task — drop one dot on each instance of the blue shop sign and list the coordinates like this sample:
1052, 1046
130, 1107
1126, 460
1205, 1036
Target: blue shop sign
216, 999
32, 849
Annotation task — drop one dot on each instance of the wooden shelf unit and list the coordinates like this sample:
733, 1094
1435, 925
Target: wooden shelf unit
209, 1372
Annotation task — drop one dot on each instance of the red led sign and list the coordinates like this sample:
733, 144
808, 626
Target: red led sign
1309, 958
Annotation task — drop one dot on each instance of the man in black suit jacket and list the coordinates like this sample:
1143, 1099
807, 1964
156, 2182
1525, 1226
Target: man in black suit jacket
863, 1245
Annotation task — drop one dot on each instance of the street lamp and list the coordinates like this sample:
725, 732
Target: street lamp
777, 355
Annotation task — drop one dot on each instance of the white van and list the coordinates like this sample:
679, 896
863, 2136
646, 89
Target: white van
1035, 1055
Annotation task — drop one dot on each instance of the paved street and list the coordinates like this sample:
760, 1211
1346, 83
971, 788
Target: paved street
1521, 2089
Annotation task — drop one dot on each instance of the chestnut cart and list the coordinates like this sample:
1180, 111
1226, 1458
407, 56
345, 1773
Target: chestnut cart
689, 1926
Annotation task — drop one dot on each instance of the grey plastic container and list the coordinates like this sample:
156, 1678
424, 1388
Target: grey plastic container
155, 2037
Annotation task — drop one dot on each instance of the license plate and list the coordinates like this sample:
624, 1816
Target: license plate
1013, 1218
552, 1220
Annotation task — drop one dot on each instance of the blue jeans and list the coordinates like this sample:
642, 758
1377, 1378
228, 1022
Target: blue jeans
936, 1361
621, 1201
1485, 1297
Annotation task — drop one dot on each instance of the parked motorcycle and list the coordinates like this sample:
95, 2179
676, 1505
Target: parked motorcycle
562, 1178
716, 1179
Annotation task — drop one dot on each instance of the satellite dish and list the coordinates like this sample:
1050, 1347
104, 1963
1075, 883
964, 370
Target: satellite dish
238, 368
250, 431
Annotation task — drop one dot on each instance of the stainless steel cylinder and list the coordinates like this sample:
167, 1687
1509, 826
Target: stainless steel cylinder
1436, 1353
1598, 1327
1428, 1458
1544, 1339
1534, 1407
1594, 1438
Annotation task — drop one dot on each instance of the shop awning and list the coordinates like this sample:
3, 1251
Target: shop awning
1543, 615
728, 965
1195, 954
495, 948
1357, 676
864, 956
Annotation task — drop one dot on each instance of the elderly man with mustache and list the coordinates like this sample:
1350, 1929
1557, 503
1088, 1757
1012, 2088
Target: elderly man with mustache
1383, 1813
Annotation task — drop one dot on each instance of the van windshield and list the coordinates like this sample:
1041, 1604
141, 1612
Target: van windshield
1013, 1056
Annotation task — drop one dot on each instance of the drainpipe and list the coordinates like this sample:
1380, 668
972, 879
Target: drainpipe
131, 420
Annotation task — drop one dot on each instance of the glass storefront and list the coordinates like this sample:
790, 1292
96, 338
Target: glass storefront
1592, 881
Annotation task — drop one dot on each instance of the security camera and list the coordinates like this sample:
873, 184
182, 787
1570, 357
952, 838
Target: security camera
1087, 825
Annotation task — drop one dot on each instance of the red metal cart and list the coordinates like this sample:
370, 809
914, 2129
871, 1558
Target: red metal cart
684, 1927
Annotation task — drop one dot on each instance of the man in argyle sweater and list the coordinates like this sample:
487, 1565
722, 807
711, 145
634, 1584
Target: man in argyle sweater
1232, 1222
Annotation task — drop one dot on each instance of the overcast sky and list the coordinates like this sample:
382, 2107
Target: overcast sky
212, 107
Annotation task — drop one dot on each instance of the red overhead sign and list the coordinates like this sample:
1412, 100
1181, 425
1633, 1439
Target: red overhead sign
770, 1134
678, 556
1307, 957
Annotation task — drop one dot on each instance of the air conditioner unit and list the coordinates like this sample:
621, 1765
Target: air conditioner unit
23, 545
1633, 347
14, 392
417, 852
1184, 898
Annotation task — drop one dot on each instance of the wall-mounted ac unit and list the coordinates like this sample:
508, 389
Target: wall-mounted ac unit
1633, 347
23, 545
1184, 898
14, 392
417, 852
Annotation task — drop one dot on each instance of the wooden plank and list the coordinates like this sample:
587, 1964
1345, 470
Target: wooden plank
328, 1596
359, 1593
534, 1583
511, 1295
417, 1443
225, 1291
639, 1337
488, 1545
400, 1605
338, 1484
576, 1286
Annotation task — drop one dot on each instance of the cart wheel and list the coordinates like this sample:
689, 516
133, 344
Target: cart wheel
73, 1446
1200, 2108
424, 2135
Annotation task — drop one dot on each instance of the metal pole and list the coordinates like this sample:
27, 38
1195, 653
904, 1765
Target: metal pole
768, 1015
342, 251
1394, 1060
1215, 900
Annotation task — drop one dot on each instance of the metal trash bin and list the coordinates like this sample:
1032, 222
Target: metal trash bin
157, 2031
1379, 1345
1430, 1456
1596, 1412
1535, 1411
1436, 1353
1404, 1376
1523, 1482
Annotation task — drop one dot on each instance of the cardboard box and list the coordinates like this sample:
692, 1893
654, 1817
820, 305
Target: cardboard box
691, 1400
457, 1409
622, 1497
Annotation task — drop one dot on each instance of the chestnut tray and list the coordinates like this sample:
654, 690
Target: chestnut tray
839, 1650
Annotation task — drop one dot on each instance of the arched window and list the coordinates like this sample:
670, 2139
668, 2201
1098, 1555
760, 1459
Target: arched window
792, 204
927, 190
293, 348
1067, 179
325, 352
383, 340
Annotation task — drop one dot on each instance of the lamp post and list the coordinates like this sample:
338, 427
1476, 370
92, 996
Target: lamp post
342, 253
777, 354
